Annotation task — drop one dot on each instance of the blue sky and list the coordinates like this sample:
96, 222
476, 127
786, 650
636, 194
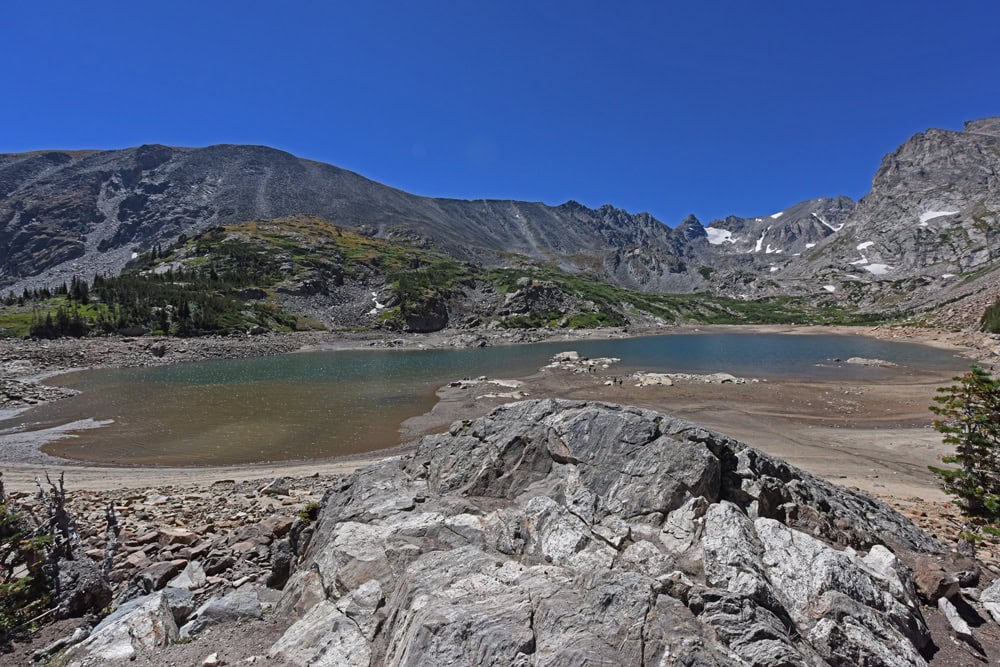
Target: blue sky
673, 108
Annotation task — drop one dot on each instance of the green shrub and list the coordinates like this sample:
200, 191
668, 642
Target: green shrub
24, 586
990, 321
310, 512
969, 419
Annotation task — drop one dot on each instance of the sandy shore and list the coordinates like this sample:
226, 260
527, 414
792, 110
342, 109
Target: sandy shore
21, 477
873, 436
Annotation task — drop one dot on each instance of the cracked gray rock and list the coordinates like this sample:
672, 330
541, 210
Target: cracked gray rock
576, 533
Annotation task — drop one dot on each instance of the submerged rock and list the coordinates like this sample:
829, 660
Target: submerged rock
575, 533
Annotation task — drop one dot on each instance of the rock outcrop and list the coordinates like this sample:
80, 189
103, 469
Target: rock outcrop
575, 533
931, 218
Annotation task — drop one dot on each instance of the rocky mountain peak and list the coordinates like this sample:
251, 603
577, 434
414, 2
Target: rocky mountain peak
784, 234
690, 229
989, 126
933, 213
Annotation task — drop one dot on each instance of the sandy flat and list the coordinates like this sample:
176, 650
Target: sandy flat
872, 436
20, 477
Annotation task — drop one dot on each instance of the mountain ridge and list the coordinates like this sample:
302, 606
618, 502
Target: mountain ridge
932, 215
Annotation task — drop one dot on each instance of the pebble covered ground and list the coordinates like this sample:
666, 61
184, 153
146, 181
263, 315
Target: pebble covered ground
944, 521
226, 531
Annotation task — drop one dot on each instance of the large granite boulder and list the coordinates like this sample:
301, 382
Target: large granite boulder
574, 533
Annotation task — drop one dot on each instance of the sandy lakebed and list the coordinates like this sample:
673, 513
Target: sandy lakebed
874, 436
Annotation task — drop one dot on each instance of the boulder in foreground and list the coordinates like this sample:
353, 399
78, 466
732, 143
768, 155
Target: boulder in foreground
575, 533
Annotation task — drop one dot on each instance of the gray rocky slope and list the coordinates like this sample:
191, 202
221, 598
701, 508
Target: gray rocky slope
932, 217
925, 232
63, 213
572, 533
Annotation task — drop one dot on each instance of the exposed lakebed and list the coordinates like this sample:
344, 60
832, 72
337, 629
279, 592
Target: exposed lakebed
321, 404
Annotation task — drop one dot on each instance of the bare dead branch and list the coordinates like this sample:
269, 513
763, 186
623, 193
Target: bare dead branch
111, 538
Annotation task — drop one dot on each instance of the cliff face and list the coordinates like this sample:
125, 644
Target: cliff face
932, 216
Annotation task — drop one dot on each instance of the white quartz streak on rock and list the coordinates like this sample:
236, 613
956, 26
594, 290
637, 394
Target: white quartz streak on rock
571, 530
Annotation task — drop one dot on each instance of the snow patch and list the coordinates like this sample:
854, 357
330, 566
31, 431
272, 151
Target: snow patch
760, 242
947, 275
930, 215
378, 306
810, 245
135, 255
830, 288
863, 260
719, 236
773, 269
835, 228
878, 269
866, 244
777, 215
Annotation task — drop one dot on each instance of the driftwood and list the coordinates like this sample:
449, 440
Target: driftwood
110, 539
61, 527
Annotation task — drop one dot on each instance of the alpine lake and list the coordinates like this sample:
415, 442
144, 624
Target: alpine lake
316, 405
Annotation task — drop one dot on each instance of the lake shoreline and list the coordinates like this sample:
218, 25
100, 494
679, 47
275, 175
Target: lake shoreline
28, 360
26, 445
28, 450
873, 436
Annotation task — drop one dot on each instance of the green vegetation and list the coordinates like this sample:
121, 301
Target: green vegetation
990, 321
24, 586
969, 419
423, 293
611, 303
310, 512
15, 322
233, 278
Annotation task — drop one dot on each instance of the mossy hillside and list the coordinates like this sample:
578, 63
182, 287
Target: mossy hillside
227, 279
22, 318
422, 294
231, 278
260, 258
611, 304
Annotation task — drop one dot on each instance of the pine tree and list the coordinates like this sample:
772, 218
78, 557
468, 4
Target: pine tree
969, 418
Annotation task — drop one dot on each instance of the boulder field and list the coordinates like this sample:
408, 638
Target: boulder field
555, 532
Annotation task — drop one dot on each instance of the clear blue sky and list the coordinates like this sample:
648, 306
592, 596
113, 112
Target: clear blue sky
668, 107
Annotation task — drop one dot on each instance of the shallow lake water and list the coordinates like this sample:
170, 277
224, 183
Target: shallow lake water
321, 404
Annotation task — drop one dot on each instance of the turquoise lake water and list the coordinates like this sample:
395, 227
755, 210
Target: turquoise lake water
321, 404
